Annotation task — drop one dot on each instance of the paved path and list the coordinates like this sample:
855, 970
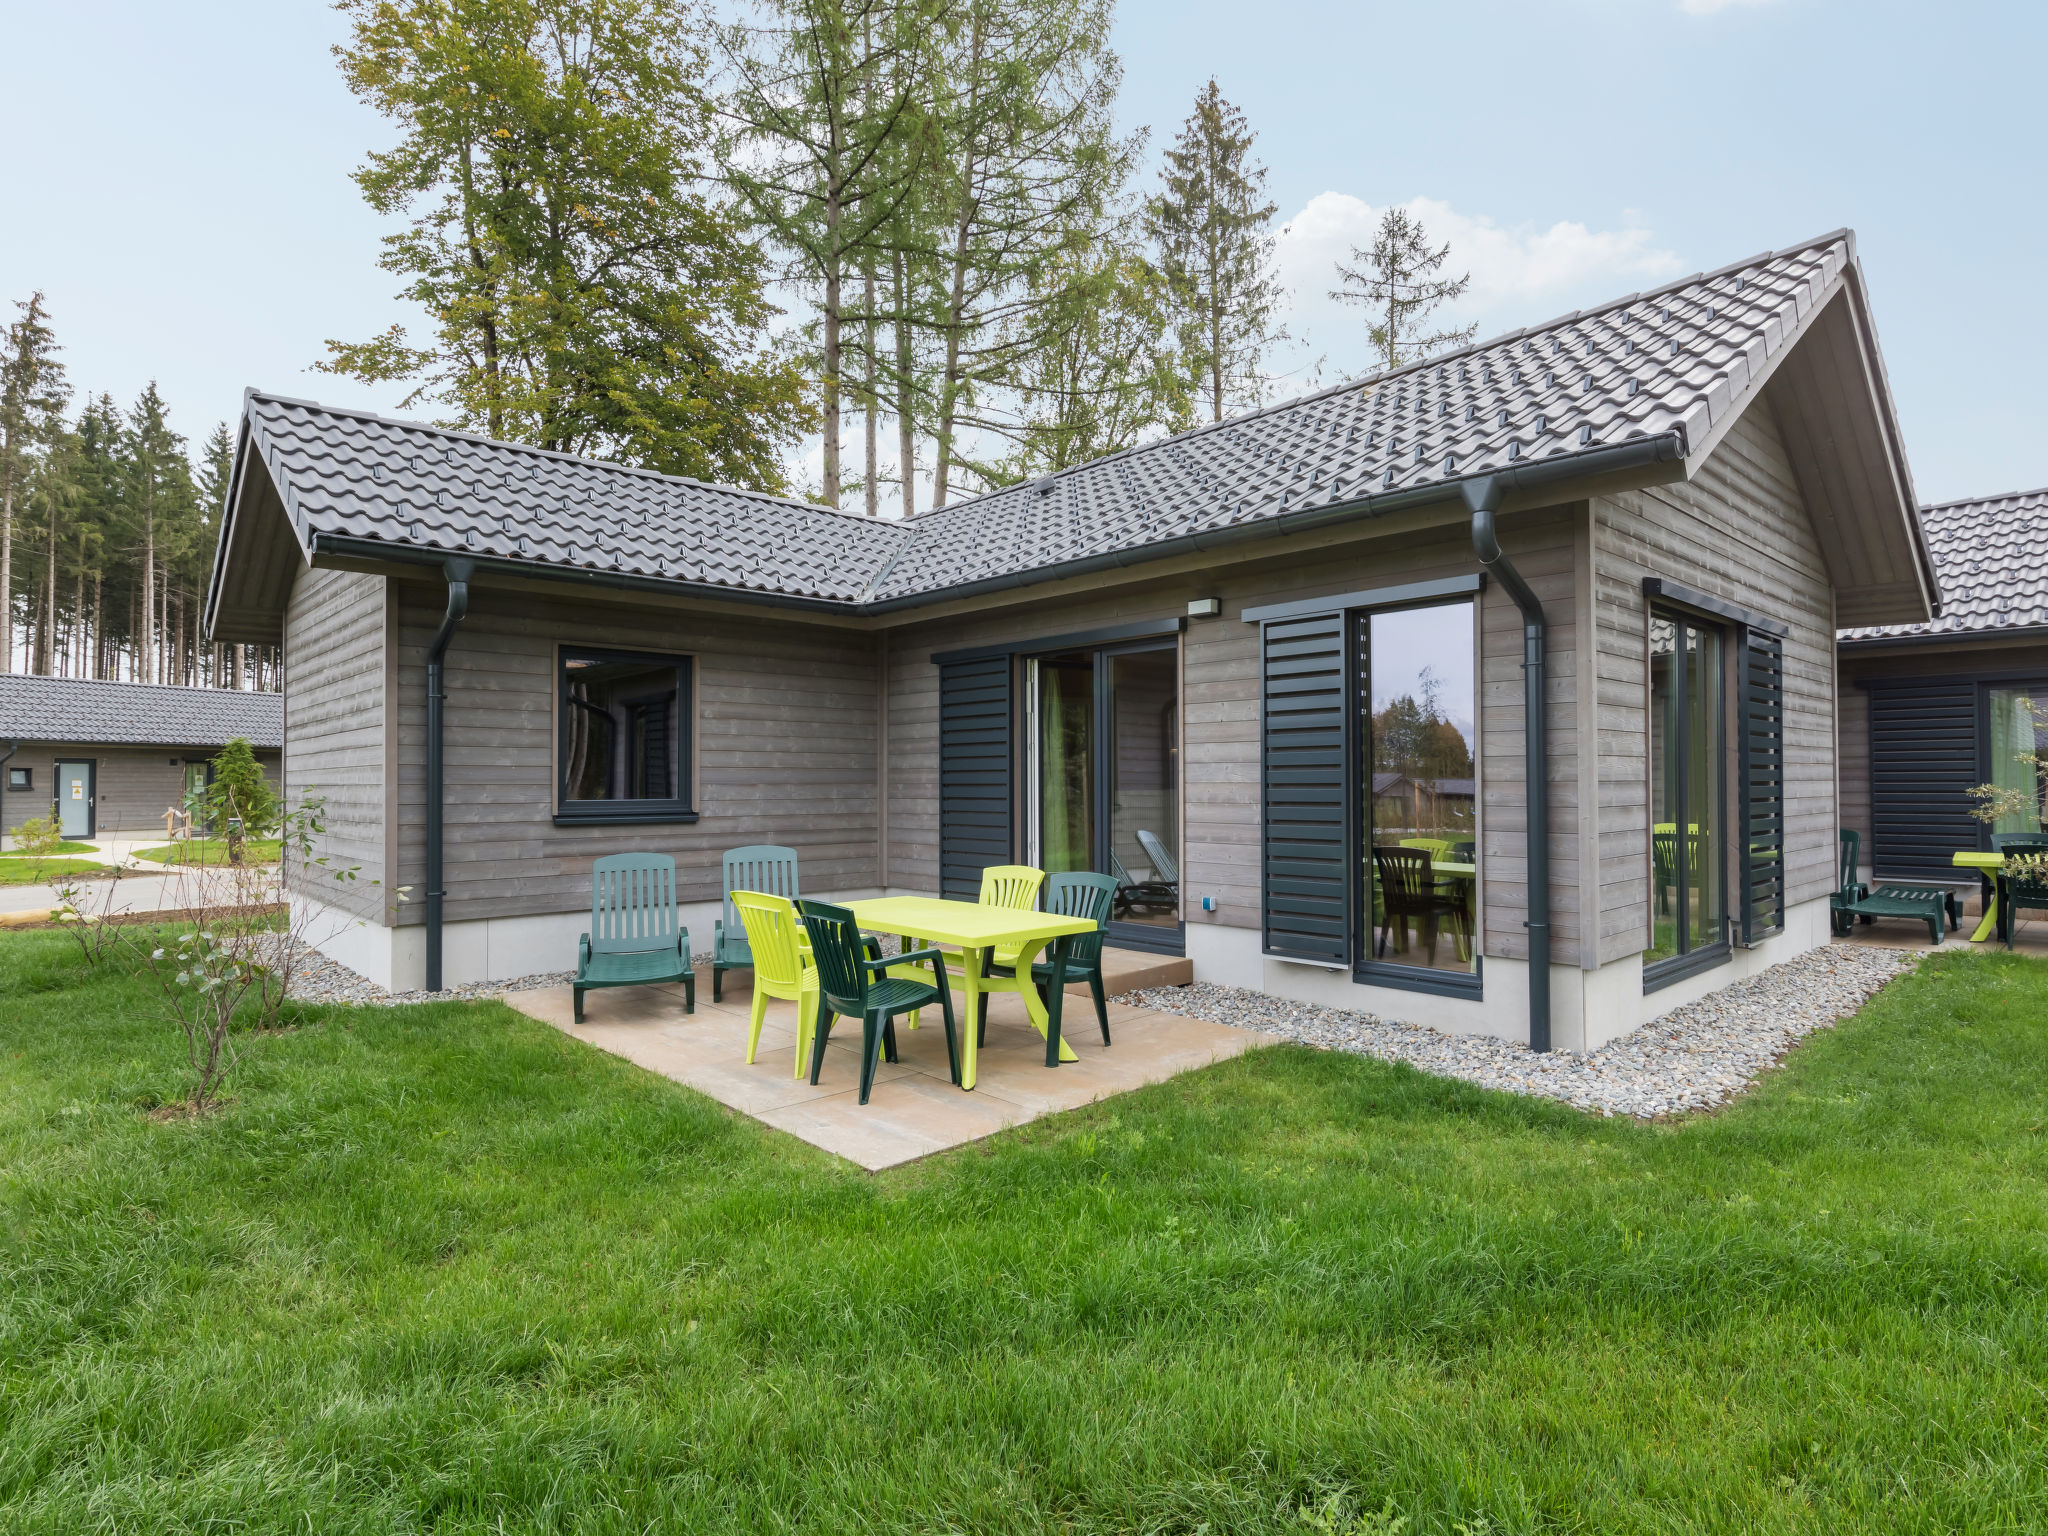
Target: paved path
130, 893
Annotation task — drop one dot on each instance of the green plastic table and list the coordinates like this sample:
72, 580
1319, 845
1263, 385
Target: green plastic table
1988, 864
975, 929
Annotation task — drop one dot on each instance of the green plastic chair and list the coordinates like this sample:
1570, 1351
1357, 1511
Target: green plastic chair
1848, 889
2015, 891
764, 867
1074, 895
848, 984
634, 939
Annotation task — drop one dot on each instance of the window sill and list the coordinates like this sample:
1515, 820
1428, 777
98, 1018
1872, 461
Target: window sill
626, 816
1665, 972
1415, 978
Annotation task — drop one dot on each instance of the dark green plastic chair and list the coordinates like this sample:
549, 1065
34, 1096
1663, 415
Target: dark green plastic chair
764, 867
1849, 890
854, 981
634, 939
2015, 892
1073, 895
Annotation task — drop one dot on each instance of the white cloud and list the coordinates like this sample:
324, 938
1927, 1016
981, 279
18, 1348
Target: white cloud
1521, 274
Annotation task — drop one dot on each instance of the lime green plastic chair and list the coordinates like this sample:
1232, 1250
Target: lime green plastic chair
782, 967
1015, 887
849, 986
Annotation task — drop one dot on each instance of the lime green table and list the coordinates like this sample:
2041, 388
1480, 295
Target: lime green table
1987, 865
975, 929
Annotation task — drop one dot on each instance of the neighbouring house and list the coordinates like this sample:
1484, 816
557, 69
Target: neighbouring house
1930, 709
109, 759
1649, 517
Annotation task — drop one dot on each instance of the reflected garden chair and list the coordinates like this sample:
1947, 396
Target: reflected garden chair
764, 867
782, 967
1408, 890
634, 939
853, 983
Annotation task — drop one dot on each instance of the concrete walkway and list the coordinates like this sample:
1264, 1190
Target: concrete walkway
914, 1110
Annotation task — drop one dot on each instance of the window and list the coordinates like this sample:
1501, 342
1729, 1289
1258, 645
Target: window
1419, 864
21, 778
625, 737
1688, 797
2018, 731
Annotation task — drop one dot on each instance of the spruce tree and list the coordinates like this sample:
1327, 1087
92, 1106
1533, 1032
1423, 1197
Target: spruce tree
32, 396
1396, 279
1211, 224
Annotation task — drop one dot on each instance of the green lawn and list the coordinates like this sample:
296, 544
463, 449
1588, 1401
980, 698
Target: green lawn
210, 850
27, 871
63, 847
442, 1269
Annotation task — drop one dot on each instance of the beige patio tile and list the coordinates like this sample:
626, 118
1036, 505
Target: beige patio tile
914, 1110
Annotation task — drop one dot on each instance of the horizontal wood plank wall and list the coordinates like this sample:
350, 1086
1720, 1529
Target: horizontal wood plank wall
784, 749
1220, 713
133, 786
1852, 776
334, 630
1738, 530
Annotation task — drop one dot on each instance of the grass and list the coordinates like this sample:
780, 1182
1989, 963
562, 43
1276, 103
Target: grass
63, 847
27, 871
440, 1268
210, 850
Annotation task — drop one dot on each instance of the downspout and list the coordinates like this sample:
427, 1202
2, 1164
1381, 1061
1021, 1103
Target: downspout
1483, 496
12, 748
458, 572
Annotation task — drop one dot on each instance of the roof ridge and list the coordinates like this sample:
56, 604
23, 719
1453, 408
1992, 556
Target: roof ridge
357, 413
1842, 233
1980, 501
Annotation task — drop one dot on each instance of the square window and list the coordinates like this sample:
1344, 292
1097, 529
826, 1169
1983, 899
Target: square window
21, 778
624, 731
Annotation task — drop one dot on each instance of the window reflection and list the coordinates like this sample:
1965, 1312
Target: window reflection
621, 727
1421, 868
1688, 862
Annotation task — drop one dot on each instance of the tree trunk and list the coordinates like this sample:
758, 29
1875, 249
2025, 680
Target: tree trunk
49, 627
906, 430
145, 642
7, 571
869, 401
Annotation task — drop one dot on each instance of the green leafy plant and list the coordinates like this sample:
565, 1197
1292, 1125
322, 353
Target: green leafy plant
239, 803
38, 839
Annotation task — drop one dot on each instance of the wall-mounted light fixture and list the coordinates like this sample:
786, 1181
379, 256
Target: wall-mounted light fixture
1205, 608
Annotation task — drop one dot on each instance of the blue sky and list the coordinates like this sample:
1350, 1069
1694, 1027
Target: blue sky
178, 177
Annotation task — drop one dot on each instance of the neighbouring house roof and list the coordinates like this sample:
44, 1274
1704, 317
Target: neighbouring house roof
1991, 559
76, 709
1387, 779
1665, 370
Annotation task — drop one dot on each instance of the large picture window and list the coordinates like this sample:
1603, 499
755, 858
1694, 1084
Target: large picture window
1420, 865
1688, 796
624, 737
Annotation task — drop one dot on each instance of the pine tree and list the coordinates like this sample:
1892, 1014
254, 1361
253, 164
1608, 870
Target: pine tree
158, 496
32, 396
587, 293
1211, 225
828, 97
1396, 279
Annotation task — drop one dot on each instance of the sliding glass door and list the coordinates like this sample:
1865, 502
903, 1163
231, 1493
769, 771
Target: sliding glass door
1688, 795
1104, 780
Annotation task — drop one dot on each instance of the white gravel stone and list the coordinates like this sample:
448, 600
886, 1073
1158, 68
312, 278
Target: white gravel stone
1693, 1058
318, 979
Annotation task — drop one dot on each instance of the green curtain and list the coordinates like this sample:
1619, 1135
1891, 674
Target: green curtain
1063, 769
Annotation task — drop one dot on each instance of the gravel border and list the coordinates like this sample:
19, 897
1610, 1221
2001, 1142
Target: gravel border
318, 979
1693, 1058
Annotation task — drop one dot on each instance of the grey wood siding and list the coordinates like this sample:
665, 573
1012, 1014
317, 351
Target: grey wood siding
1220, 706
785, 749
133, 786
1739, 530
335, 729
1852, 734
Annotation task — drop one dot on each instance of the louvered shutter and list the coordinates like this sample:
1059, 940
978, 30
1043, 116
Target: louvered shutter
1923, 760
974, 772
1760, 694
1307, 859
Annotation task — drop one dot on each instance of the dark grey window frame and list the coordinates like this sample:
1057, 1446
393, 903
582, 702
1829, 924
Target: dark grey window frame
1690, 962
614, 813
28, 777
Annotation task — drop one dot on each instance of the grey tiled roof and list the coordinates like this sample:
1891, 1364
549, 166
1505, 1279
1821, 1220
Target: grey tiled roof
76, 709
1668, 362
1991, 558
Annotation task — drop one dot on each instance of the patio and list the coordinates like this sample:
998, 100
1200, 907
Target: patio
915, 1109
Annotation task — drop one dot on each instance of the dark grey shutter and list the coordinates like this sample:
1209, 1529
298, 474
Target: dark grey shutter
974, 772
1760, 697
1307, 855
1923, 761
